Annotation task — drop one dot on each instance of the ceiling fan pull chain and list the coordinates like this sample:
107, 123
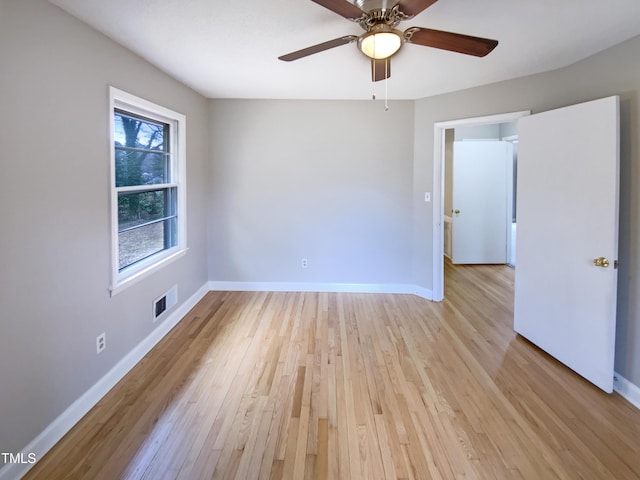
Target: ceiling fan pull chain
386, 81
373, 96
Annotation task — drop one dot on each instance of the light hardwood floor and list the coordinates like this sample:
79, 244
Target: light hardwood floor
353, 386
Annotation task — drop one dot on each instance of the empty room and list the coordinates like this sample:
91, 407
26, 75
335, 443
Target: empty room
254, 240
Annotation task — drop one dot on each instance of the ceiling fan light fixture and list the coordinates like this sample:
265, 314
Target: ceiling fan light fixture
380, 43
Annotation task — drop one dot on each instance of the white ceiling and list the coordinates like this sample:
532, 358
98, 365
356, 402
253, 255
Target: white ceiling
229, 49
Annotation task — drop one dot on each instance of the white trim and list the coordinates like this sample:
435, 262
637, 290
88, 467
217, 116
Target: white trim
320, 287
438, 188
178, 122
63, 424
78, 409
510, 198
626, 389
133, 279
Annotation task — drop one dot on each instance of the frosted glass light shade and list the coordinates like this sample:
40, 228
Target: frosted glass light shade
380, 45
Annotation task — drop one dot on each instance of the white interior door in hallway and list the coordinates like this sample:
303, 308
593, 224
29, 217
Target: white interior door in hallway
481, 175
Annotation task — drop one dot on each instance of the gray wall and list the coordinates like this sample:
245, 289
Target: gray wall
475, 132
270, 182
329, 181
613, 72
55, 217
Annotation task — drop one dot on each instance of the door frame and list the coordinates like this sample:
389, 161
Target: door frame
513, 140
438, 188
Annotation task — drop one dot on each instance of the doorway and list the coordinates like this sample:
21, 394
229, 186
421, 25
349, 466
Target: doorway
566, 304
440, 133
479, 194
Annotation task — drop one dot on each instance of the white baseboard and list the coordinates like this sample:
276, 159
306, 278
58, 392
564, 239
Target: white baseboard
78, 409
61, 425
626, 389
320, 287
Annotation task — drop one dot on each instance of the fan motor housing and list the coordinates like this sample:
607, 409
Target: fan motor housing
391, 17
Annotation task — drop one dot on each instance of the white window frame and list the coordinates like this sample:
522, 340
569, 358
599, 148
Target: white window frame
177, 122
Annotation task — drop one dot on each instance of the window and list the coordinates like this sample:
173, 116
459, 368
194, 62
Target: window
147, 187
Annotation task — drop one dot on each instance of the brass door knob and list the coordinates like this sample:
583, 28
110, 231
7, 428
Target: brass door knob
601, 262
456, 211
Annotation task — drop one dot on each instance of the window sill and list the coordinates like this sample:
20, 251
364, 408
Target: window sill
142, 274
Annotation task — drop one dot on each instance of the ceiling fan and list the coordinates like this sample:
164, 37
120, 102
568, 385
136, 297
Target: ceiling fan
381, 40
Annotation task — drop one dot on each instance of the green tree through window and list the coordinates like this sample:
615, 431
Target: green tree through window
148, 191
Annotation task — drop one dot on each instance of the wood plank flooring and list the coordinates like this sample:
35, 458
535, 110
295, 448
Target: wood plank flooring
352, 386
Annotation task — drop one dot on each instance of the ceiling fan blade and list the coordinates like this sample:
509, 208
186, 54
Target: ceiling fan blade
341, 7
414, 7
454, 42
380, 69
321, 47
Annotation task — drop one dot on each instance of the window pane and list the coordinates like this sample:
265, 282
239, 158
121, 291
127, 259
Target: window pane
141, 148
140, 168
143, 207
143, 164
139, 243
138, 132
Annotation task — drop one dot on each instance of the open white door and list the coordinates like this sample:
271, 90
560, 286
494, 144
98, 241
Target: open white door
568, 180
480, 200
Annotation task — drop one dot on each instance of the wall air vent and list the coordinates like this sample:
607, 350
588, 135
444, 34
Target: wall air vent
160, 306
164, 302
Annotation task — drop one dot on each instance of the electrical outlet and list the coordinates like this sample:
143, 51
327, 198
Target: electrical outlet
304, 263
101, 342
